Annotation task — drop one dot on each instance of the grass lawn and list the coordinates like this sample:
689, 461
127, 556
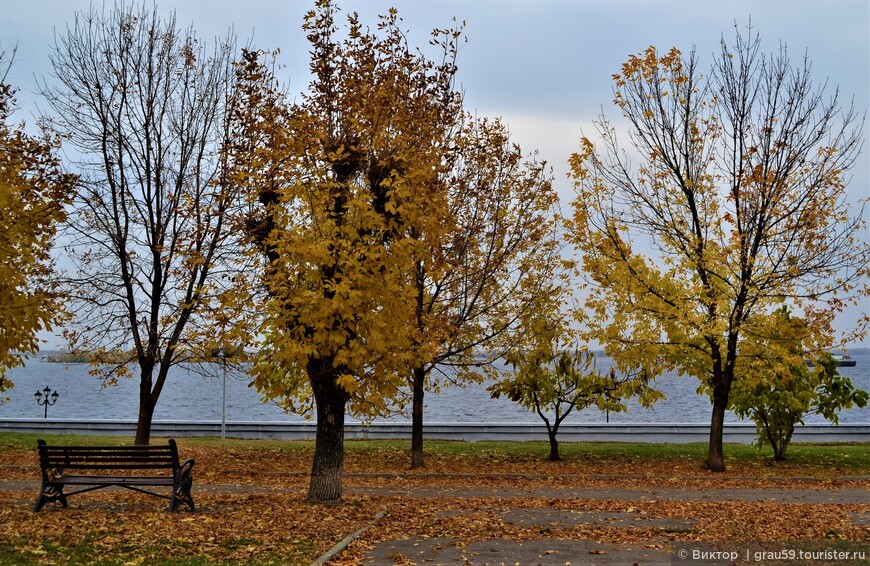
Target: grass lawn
258, 514
823, 460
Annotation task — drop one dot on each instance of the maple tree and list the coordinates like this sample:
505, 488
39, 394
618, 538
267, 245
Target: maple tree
143, 103
344, 201
495, 256
34, 191
775, 385
737, 206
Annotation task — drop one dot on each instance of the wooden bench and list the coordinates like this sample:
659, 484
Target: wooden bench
56, 461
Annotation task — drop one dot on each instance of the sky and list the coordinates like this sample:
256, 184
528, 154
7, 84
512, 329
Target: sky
544, 66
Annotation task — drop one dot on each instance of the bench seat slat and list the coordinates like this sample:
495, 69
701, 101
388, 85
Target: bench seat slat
98, 449
72, 459
117, 464
111, 453
168, 461
115, 480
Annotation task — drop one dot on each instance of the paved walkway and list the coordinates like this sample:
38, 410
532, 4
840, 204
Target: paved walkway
812, 493
558, 552
809, 495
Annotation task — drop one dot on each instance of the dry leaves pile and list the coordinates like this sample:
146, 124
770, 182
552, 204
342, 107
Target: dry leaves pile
251, 508
226, 527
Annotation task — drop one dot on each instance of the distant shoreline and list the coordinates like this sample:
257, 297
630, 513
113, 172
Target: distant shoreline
55, 357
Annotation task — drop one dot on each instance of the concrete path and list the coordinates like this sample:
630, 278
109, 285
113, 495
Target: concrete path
559, 552
811, 494
445, 551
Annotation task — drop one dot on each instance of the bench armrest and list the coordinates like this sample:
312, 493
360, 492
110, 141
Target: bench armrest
185, 469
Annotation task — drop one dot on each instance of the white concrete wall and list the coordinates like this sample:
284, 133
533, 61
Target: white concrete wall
653, 433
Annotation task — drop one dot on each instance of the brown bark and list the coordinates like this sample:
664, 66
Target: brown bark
721, 392
779, 443
327, 469
146, 415
715, 453
149, 394
417, 458
554, 446
146, 404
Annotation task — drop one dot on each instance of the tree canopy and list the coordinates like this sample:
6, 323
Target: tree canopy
345, 199
143, 103
496, 256
782, 376
553, 375
34, 192
728, 201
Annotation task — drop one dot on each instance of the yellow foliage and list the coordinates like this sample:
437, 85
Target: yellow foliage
734, 208
396, 231
344, 195
33, 194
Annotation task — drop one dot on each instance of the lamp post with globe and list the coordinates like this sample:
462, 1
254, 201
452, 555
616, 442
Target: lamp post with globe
46, 398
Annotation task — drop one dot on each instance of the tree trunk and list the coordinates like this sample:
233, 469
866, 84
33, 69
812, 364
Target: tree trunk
417, 459
780, 447
143, 423
779, 452
331, 399
146, 406
722, 379
149, 394
554, 446
715, 453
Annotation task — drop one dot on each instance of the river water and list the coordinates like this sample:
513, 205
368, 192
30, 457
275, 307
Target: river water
191, 397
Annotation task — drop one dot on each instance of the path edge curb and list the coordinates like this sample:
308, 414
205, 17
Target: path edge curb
346, 541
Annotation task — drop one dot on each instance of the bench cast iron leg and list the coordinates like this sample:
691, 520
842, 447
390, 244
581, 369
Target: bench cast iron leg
181, 494
181, 489
49, 493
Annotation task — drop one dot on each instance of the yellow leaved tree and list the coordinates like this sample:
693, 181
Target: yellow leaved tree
782, 376
737, 205
345, 199
553, 375
33, 194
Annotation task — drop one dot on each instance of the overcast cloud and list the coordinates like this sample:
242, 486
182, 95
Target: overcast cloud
545, 66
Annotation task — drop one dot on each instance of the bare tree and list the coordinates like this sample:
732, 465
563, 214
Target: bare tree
739, 206
143, 103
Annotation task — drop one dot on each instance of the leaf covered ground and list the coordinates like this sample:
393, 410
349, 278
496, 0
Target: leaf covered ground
252, 508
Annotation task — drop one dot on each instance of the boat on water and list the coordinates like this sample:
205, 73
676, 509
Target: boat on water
844, 360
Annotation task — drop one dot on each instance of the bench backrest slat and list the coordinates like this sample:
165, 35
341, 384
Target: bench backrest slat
109, 457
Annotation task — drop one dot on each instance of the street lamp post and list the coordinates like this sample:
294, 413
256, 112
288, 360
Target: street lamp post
222, 354
50, 399
224, 401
